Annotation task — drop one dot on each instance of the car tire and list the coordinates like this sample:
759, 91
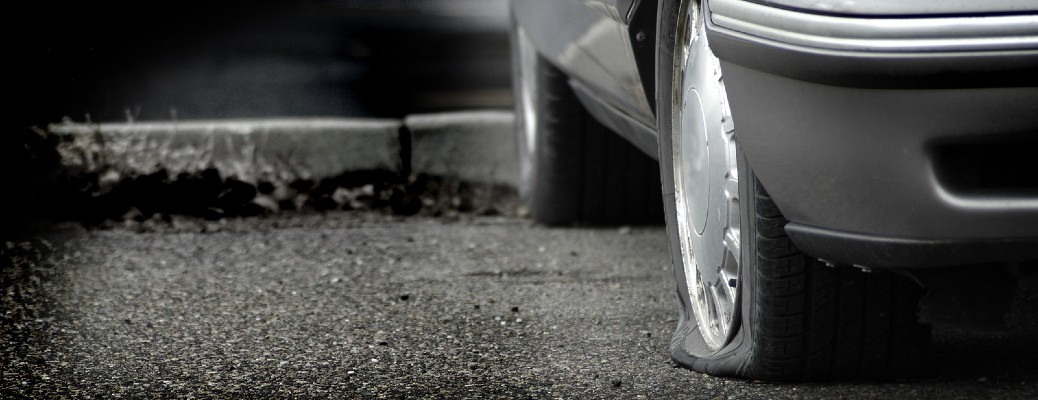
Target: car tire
751, 304
572, 169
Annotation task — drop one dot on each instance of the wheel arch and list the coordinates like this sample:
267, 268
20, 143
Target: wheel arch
643, 28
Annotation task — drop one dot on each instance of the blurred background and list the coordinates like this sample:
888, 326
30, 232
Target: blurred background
120, 62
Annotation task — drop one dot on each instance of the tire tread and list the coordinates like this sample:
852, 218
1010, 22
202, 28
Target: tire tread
814, 322
586, 173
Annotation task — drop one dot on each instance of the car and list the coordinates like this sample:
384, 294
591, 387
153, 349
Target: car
822, 164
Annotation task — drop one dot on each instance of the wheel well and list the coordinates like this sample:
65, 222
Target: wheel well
642, 28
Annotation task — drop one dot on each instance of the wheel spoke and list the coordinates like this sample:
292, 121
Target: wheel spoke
731, 187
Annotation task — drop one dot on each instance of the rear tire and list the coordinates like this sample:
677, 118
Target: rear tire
572, 169
790, 317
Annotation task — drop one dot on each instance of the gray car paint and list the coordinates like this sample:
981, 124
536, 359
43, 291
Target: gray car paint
936, 33
856, 160
589, 41
921, 52
850, 157
840, 136
905, 7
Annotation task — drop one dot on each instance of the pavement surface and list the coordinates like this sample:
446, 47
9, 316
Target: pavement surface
364, 305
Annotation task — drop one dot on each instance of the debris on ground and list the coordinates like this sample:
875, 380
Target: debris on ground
44, 187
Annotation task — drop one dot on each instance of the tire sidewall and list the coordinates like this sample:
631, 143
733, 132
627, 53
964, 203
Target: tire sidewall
688, 347
526, 157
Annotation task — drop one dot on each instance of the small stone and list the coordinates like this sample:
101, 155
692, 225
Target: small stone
515, 309
212, 213
266, 202
133, 214
647, 334
342, 196
616, 382
405, 296
211, 227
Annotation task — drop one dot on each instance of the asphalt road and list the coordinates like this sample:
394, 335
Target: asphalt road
359, 305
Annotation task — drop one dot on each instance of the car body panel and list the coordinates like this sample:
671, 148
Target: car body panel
903, 7
894, 34
859, 160
589, 41
937, 51
843, 132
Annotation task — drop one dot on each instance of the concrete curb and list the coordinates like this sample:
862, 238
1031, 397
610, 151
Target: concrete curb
248, 150
474, 146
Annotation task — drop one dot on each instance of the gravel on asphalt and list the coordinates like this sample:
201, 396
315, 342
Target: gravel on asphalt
366, 305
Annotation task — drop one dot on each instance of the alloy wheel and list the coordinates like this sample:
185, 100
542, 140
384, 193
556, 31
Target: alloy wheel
706, 182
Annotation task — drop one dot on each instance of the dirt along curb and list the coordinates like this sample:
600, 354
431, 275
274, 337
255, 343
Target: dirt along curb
435, 164
247, 150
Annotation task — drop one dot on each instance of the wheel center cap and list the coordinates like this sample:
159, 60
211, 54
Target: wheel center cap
696, 166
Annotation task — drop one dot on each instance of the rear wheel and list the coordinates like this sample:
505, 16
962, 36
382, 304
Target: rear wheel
572, 169
752, 304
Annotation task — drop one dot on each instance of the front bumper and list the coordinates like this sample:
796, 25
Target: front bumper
889, 142
877, 51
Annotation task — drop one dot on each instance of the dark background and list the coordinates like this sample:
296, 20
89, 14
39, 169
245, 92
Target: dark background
188, 60
118, 61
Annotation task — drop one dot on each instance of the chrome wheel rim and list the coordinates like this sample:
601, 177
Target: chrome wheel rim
706, 182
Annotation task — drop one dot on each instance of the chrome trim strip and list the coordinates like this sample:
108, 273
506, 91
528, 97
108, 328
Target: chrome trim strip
917, 34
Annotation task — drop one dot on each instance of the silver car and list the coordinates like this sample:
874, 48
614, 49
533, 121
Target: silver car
823, 163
